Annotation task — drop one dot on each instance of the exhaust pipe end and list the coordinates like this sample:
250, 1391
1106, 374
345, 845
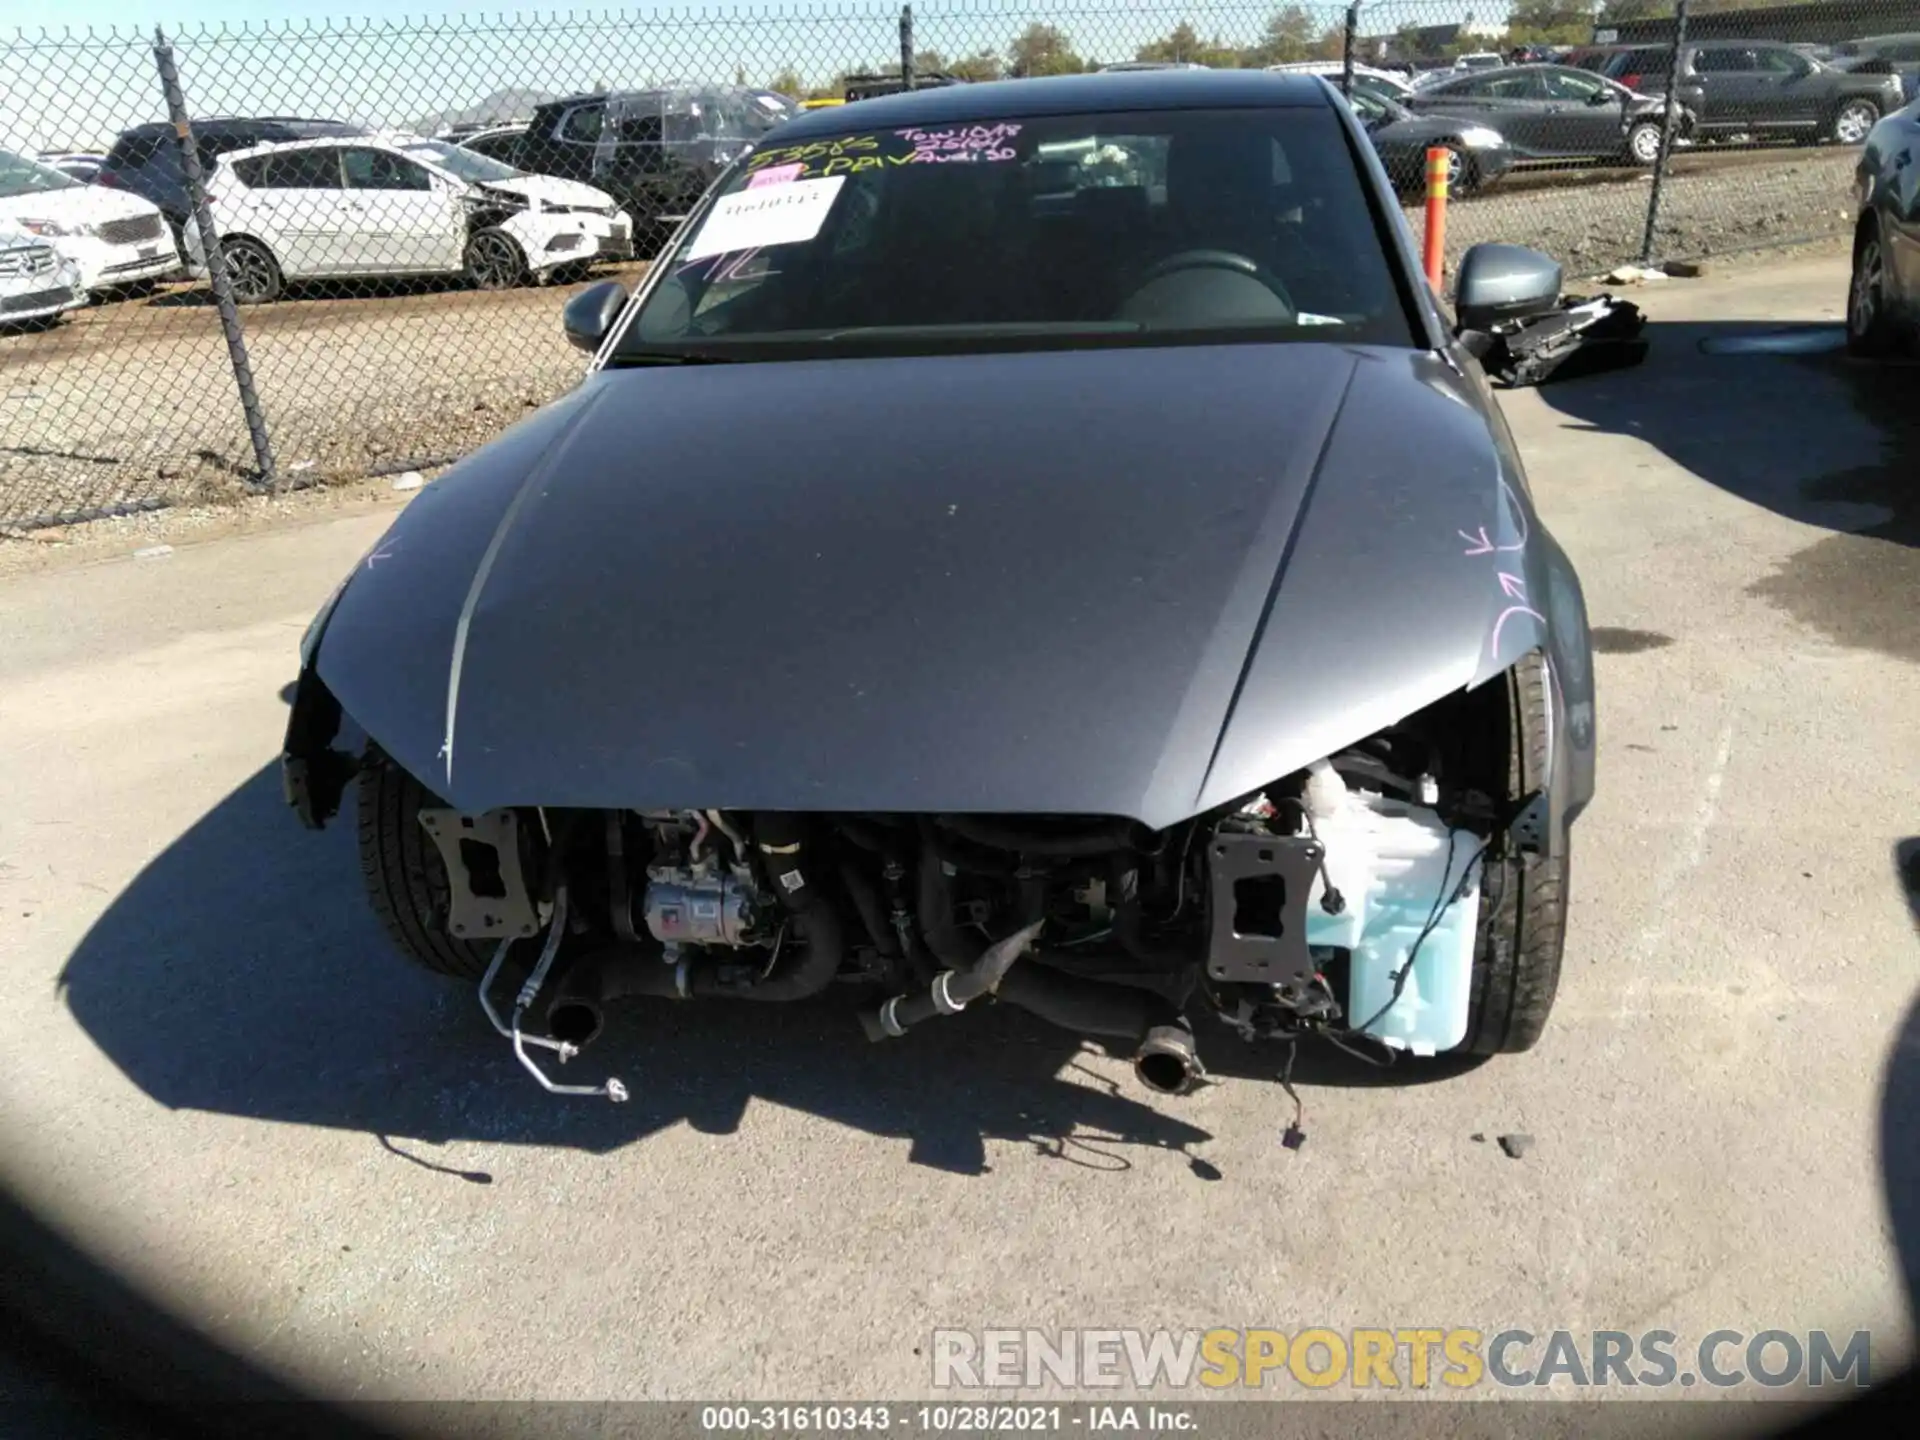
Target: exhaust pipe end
1167, 1062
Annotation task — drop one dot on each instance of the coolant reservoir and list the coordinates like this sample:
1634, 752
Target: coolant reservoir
1390, 862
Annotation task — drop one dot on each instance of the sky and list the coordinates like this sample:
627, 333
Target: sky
75, 72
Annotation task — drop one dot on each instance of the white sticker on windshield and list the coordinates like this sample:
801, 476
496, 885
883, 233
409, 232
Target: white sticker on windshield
1307, 317
767, 215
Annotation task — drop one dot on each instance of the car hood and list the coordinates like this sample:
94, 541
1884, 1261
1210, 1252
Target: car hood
82, 205
1133, 582
552, 190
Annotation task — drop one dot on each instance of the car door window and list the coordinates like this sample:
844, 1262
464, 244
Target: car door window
1729, 61
383, 170
303, 170
251, 173
1580, 89
1780, 62
1510, 87
583, 124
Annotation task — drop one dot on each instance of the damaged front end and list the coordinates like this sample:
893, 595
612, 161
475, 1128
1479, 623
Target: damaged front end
1345, 900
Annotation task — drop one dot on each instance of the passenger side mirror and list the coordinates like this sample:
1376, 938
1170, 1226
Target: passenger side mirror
1602, 97
1504, 282
589, 315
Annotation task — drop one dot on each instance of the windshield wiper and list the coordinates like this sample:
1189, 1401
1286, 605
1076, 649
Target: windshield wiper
669, 357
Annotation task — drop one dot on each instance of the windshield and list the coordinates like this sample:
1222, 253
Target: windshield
467, 164
21, 176
1182, 227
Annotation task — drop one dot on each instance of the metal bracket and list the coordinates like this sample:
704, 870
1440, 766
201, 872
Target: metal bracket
492, 901
1263, 881
1527, 829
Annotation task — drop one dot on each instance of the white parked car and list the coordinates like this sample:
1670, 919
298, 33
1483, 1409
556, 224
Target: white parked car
364, 206
1367, 77
114, 237
37, 282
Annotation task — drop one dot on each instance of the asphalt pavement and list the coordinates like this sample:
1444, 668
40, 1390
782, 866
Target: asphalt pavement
217, 1078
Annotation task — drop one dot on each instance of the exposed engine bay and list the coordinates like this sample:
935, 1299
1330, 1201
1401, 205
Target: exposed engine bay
1343, 901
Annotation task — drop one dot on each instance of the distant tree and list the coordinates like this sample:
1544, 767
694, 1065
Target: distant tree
1614, 11
1043, 50
787, 81
983, 66
1288, 37
1550, 22
1183, 44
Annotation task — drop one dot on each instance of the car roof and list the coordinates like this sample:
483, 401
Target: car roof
317, 142
1067, 95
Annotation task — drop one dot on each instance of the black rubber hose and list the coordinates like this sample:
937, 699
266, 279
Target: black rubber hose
577, 1010
950, 946
1129, 924
1099, 840
1089, 1007
796, 979
866, 902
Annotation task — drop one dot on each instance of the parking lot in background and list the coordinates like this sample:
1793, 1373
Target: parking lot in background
224, 1084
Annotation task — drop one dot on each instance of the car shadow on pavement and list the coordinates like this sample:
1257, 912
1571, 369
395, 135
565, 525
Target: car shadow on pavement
1780, 416
1900, 1107
242, 973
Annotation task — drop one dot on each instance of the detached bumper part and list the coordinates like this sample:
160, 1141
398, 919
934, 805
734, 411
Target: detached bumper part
1582, 337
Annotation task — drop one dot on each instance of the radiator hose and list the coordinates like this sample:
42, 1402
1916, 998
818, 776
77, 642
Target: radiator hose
1166, 1059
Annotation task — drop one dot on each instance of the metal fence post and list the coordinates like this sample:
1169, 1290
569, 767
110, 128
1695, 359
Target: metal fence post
906, 46
215, 261
1346, 49
1669, 122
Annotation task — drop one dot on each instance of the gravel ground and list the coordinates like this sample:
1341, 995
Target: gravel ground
134, 403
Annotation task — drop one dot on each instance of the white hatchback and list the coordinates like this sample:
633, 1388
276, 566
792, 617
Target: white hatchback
112, 237
355, 207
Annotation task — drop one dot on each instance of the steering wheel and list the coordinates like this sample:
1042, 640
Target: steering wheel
1229, 260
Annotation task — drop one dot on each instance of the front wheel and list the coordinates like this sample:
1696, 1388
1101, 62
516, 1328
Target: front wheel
405, 877
252, 273
1523, 904
1643, 143
494, 261
1870, 325
1852, 121
1463, 176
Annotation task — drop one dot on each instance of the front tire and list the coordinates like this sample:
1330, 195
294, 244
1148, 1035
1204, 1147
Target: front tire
405, 877
1871, 332
1523, 904
252, 272
494, 261
1643, 144
1852, 121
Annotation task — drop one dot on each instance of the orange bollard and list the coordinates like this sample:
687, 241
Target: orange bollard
1439, 162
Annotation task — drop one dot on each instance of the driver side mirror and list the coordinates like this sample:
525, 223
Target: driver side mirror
1504, 282
589, 315
1602, 97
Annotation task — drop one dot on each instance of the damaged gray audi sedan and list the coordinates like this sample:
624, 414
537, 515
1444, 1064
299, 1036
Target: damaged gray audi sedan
1035, 542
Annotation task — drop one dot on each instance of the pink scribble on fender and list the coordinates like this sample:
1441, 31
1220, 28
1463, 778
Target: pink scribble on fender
1484, 545
775, 175
1507, 614
1513, 585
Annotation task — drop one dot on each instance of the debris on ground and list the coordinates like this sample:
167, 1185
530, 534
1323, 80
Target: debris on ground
153, 552
1685, 269
1582, 336
1516, 1145
409, 480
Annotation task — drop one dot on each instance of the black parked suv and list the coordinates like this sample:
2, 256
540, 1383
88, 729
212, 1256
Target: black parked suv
654, 151
1762, 88
146, 159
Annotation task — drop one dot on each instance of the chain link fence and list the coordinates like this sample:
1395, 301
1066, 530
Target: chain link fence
357, 264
